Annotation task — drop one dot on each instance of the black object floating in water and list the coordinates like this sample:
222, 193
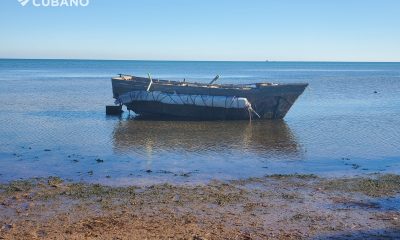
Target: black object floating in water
113, 110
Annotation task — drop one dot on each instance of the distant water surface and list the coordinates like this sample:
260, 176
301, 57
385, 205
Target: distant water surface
52, 122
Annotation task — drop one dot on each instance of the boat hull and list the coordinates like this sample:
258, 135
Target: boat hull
170, 111
270, 102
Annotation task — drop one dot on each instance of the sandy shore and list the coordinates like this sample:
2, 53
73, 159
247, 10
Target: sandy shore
272, 207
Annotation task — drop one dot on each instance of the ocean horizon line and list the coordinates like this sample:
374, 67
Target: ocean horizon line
166, 60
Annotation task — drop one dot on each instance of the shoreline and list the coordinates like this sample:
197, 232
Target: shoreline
271, 207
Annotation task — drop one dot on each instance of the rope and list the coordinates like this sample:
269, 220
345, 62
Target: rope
181, 99
204, 102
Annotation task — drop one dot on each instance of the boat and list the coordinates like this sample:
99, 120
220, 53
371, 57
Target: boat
157, 98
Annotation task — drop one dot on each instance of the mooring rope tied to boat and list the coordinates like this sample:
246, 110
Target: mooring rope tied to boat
193, 101
248, 110
162, 98
204, 102
252, 110
154, 98
181, 99
232, 102
173, 100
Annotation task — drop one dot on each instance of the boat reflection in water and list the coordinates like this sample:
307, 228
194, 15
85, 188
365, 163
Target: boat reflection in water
217, 139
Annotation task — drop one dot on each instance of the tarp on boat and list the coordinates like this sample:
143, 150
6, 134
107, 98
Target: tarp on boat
185, 99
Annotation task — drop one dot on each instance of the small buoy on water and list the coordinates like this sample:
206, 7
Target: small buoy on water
113, 110
375, 91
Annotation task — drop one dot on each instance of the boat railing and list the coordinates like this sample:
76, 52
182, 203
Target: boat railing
128, 77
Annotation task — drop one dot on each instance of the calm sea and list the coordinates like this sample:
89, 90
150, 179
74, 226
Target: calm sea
53, 123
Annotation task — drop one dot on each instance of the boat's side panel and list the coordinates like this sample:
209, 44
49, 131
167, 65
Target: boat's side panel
122, 86
188, 111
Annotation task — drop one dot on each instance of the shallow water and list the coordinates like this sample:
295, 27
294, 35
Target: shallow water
339, 126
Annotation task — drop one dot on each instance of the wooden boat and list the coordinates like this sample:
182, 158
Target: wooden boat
180, 99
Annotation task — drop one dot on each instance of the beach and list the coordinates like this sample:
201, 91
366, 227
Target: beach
271, 207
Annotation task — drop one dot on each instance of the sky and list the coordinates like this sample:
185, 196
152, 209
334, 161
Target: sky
233, 30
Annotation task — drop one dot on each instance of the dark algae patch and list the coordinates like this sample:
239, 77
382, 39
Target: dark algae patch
374, 186
17, 186
298, 176
272, 207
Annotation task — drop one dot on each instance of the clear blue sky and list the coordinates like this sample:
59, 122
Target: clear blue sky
321, 30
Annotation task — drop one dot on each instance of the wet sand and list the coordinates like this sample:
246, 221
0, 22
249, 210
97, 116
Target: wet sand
271, 207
